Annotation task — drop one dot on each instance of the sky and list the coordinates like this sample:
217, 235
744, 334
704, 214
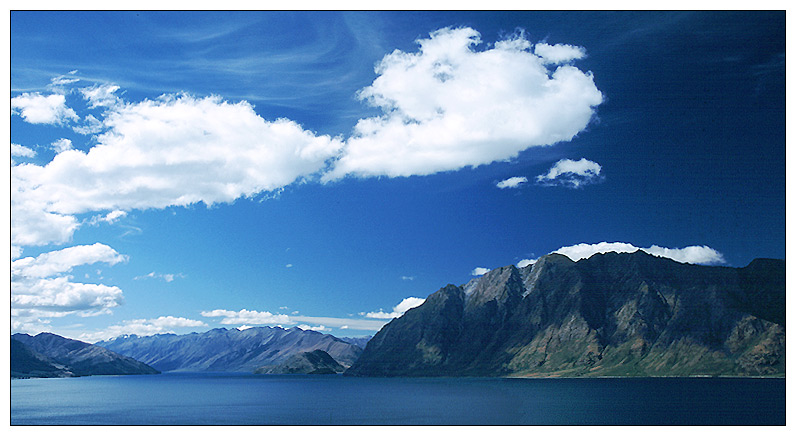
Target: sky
173, 172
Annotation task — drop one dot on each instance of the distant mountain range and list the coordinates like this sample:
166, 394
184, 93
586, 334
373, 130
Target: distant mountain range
230, 350
49, 355
628, 314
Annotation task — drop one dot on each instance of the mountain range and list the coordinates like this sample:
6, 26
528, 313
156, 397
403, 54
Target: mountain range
613, 314
50, 355
230, 350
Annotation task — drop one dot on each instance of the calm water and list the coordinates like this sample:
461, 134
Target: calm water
231, 399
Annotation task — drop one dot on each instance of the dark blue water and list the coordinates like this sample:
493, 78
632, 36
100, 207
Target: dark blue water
246, 399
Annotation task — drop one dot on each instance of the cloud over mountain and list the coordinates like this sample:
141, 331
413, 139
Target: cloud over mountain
699, 254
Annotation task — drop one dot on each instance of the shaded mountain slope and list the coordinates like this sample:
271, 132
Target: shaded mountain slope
612, 314
69, 357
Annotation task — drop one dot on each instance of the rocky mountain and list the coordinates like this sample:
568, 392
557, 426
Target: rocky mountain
50, 355
230, 350
310, 362
628, 314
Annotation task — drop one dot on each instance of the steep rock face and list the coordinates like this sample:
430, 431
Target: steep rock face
611, 314
80, 358
310, 362
229, 350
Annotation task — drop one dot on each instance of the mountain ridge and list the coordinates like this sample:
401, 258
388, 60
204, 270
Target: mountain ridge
231, 350
613, 314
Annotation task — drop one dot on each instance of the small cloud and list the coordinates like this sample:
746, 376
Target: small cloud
290, 265
343, 327
398, 310
283, 307
21, 151
317, 328
35, 108
525, 262
244, 316
61, 145
571, 174
109, 218
479, 271
511, 182
407, 278
168, 278
100, 95
559, 53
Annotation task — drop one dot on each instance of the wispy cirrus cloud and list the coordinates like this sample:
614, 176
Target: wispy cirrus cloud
166, 277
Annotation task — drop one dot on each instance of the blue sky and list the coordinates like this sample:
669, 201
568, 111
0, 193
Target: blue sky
176, 172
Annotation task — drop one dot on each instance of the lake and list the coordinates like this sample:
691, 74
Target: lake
247, 399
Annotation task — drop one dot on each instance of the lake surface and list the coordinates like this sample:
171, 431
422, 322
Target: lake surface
247, 399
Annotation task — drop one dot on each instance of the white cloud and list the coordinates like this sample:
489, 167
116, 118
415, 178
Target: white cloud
398, 310
693, 254
21, 151
142, 327
35, 108
40, 290
407, 278
101, 95
448, 106
89, 126
317, 328
559, 53
165, 277
56, 82
511, 182
571, 173
244, 316
352, 323
479, 271
62, 261
62, 145
109, 218
253, 317
525, 262
60, 295
700, 254
174, 151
